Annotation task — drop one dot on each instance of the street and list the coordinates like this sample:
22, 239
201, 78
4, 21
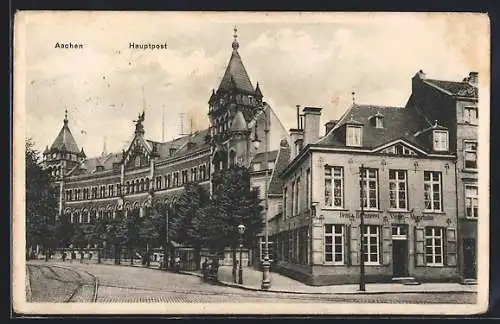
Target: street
66, 282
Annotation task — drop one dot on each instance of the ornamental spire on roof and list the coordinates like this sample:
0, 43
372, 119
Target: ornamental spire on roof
236, 77
65, 140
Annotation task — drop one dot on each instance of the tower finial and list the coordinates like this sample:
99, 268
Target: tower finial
353, 98
235, 44
66, 116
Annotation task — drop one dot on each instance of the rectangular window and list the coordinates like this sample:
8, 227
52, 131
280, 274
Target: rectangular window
440, 140
297, 196
398, 189
176, 179
353, 136
371, 245
168, 180
334, 186
470, 155
334, 244
184, 176
118, 189
434, 246
194, 174
432, 191
471, 202
470, 115
308, 189
158, 183
370, 188
285, 193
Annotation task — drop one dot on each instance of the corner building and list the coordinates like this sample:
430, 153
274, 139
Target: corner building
403, 166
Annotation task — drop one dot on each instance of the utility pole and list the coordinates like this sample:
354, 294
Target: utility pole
361, 229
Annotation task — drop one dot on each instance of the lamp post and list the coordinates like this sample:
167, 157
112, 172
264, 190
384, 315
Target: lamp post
241, 231
266, 265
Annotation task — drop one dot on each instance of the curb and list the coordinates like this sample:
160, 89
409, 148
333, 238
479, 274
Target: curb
243, 287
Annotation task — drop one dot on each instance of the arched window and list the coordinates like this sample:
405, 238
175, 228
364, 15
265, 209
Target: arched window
147, 184
137, 185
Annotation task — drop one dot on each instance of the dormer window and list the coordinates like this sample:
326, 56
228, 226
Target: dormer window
377, 120
353, 137
440, 140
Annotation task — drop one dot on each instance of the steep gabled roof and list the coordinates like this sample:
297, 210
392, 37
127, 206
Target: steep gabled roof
65, 140
276, 183
399, 123
459, 89
236, 76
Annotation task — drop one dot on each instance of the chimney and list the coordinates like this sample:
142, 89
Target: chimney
296, 137
312, 117
420, 74
330, 125
473, 78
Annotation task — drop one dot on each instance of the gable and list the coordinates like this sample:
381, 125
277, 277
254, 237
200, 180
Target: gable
138, 154
400, 148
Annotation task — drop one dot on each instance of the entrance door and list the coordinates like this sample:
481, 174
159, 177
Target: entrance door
399, 251
469, 245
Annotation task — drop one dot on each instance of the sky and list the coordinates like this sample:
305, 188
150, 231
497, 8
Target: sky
298, 59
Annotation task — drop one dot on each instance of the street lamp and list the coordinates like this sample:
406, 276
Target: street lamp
266, 265
241, 231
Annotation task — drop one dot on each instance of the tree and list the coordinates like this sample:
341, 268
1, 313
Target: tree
190, 205
130, 229
233, 203
64, 231
148, 231
116, 234
41, 202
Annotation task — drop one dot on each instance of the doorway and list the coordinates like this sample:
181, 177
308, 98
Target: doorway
469, 246
399, 251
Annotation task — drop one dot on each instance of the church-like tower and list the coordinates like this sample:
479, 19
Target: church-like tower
231, 108
63, 154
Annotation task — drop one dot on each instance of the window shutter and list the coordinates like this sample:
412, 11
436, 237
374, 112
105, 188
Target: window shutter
347, 248
419, 247
386, 245
354, 236
451, 247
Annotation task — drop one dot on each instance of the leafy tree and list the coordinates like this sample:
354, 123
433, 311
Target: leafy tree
149, 231
115, 234
233, 203
41, 202
64, 231
130, 226
190, 205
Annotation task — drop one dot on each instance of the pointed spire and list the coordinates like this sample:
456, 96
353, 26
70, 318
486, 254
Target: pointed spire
64, 140
235, 74
258, 93
82, 154
235, 44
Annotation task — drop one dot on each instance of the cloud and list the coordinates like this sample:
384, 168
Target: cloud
310, 64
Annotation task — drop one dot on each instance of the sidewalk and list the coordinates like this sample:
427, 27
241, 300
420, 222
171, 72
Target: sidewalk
279, 283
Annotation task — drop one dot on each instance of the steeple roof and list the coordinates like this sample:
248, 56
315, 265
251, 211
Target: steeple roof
65, 140
236, 76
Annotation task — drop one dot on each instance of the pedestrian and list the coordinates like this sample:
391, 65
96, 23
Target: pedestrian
90, 256
64, 256
81, 256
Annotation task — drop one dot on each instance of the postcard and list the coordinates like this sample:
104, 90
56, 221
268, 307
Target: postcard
250, 163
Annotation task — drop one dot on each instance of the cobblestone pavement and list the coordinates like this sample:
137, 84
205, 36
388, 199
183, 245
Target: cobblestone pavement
137, 284
52, 283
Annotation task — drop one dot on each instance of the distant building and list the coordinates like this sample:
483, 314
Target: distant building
419, 187
456, 104
150, 172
